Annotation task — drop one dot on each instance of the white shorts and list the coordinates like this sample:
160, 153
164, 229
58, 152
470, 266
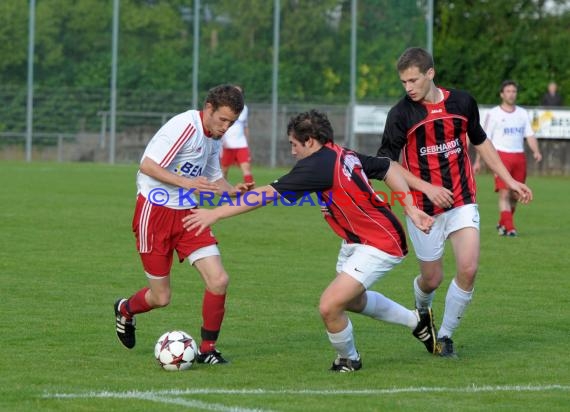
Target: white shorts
430, 247
211, 250
365, 263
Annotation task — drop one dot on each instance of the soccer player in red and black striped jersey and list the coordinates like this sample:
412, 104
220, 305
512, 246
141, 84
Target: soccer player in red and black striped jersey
373, 239
430, 128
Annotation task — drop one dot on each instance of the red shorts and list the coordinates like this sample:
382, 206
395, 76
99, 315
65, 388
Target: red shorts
515, 164
235, 156
159, 233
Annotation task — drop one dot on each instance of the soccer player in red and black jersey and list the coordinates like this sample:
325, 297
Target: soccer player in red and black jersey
429, 128
373, 239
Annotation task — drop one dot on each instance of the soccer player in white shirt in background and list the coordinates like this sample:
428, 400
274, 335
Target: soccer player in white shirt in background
182, 159
236, 148
507, 126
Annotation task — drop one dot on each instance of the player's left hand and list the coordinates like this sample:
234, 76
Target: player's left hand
439, 196
199, 220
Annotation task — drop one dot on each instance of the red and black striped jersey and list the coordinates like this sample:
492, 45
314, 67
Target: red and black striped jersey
350, 205
433, 138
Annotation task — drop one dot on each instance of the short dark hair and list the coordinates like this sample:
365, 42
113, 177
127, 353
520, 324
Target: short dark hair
309, 124
506, 83
226, 95
415, 57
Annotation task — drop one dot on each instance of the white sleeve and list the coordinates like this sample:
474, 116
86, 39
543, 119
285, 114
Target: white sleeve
169, 139
158, 147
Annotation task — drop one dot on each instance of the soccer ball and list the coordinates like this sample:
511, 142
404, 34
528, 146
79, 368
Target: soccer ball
175, 351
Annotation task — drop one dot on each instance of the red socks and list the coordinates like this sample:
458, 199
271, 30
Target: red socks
136, 304
507, 220
213, 309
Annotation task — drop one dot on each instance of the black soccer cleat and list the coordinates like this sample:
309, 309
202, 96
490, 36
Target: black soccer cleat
445, 347
501, 230
212, 357
344, 365
125, 327
425, 331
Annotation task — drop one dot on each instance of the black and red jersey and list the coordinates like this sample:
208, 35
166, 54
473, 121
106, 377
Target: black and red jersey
351, 207
434, 142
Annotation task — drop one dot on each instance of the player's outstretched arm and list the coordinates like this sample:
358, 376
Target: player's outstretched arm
397, 183
226, 187
200, 219
493, 161
375, 166
439, 195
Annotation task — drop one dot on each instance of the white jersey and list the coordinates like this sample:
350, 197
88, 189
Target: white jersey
235, 137
507, 130
181, 147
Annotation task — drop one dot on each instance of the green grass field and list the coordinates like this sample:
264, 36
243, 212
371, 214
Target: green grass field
67, 252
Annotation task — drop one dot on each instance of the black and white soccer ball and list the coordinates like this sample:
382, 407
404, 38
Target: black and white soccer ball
175, 351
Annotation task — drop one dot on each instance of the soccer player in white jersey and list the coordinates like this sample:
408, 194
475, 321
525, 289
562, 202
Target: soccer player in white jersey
181, 160
507, 126
236, 148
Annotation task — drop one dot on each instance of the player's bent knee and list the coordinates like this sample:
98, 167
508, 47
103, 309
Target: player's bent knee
218, 283
431, 283
328, 310
161, 300
467, 269
467, 276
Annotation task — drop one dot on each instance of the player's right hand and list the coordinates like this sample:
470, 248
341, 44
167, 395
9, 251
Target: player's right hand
244, 187
523, 192
421, 219
199, 220
476, 167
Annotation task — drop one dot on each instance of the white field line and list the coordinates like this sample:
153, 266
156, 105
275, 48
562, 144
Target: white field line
172, 396
159, 397
388, 391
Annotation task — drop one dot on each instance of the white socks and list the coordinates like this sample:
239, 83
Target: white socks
343, 342
456, 303
380, 307
423, 300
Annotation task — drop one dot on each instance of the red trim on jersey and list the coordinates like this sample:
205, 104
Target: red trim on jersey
354, 216
183, 138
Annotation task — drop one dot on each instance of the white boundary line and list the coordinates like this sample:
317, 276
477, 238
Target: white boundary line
156, 396
172, 396
388, 391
